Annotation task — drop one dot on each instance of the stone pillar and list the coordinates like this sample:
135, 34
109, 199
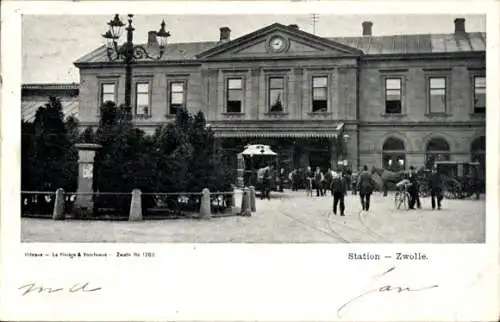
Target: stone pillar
245, 203
84, 202
136, 206
205, 209
252, 199
58, 213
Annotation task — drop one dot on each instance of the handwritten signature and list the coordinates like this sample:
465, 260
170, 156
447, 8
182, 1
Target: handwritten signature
39, 289
382, 289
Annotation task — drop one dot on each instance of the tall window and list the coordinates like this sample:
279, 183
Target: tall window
108, 92
142, 106
177, 97
393, 96
234, 97
437, 95
276, 93
437, 150
393, 155
479, 94
320, 94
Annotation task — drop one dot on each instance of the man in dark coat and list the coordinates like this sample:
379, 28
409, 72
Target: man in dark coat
413, 190
266, 182
366, 185
436, 186
339, 188
318, 182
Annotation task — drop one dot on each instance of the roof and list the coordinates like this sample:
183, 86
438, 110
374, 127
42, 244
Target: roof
417, 44
367, 45
174, 52
29, 108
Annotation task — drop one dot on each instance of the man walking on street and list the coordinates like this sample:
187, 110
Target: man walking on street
366, 185
436, 186
413, 190
339, 188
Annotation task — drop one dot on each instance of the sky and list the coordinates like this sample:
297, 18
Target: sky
50, 44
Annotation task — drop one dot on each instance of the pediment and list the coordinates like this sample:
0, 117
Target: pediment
277, 41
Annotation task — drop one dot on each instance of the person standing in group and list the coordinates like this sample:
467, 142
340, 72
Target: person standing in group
281, 180
309, 175
436, 186
318, 181
339, 189
413, 190
328, 180
292, 176
366, 185
266, 182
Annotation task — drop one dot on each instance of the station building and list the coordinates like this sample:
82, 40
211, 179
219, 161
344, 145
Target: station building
384, 101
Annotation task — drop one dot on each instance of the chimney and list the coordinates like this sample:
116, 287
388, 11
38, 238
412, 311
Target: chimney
225, 34
294, 26
460, 26
152, 41
367, 28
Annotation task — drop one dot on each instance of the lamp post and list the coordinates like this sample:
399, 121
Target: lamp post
128, 52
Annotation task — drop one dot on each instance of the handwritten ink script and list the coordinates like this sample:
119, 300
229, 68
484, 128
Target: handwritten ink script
33, 288
382, 289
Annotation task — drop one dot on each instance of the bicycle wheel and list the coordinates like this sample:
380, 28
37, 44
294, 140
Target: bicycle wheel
406, 200
398, 200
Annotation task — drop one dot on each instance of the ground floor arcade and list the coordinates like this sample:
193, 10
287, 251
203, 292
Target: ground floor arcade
391, 147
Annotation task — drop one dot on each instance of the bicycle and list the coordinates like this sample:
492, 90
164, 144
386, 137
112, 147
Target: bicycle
402, 197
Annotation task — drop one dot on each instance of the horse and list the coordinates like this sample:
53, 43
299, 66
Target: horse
388, 177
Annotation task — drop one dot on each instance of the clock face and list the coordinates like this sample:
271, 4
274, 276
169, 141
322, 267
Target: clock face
277, 43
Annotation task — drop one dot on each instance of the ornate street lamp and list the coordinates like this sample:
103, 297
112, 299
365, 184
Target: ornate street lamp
128, 52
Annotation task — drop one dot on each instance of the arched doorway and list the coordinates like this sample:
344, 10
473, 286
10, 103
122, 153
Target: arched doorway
437, 149
478, 152
393, 154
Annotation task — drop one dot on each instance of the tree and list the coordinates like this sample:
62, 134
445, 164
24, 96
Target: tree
48, 163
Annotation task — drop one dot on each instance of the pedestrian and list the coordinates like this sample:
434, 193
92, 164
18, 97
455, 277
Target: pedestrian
328, 180
413, 189
309, 176
292, 177
339, 188
266, 183
366, 185
474, 181
436, 186
282, 177
318, 181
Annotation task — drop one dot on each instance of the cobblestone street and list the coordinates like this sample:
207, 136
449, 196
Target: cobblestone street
289, 217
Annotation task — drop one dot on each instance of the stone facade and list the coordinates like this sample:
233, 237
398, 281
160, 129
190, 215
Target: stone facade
355, 70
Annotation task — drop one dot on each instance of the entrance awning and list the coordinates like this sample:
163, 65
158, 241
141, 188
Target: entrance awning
277, 131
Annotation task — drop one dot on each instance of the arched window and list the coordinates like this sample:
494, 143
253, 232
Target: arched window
437, 150
393, 155
478, 152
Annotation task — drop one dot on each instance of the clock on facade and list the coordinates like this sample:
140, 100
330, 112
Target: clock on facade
277, 44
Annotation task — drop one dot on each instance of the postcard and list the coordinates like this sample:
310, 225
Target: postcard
260, 161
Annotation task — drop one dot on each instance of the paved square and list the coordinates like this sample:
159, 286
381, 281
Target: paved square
291, 217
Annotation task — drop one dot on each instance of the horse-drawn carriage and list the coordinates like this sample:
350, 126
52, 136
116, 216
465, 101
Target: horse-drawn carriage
252, 164
460, 179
